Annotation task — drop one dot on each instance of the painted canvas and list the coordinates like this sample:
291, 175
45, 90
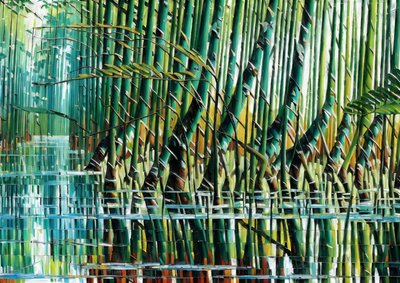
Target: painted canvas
199, 141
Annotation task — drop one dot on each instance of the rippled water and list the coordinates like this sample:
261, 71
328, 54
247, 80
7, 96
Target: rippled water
52, 219
45, 209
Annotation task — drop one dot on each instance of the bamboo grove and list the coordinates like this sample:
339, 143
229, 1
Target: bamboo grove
259, 137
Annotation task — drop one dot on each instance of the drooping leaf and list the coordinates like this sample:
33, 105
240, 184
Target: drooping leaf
383, 100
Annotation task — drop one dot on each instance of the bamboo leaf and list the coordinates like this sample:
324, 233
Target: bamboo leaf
384, 101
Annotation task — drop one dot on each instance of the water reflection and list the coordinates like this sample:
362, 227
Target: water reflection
53, 225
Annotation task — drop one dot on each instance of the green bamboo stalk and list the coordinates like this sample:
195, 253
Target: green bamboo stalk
145, 88
271, 19
234, 49
308, 141
107, 60
202, 50
121, 238
176, 180
280, 76
158, 61
396, 53
363, 157
165, 154
127, 56
183, 249
395, 63
175, 91
366, 82
323, 55
293, 91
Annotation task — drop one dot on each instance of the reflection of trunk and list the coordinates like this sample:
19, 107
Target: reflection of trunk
365, 249
120, 233
397, 181
327, 246
175, 194
394, 254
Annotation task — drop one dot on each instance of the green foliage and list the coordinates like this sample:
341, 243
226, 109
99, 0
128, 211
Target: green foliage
220, 134
383, 100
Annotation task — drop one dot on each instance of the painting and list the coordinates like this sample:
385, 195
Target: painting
199, 141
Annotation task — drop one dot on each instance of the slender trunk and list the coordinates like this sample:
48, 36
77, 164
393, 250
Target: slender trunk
296, 77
